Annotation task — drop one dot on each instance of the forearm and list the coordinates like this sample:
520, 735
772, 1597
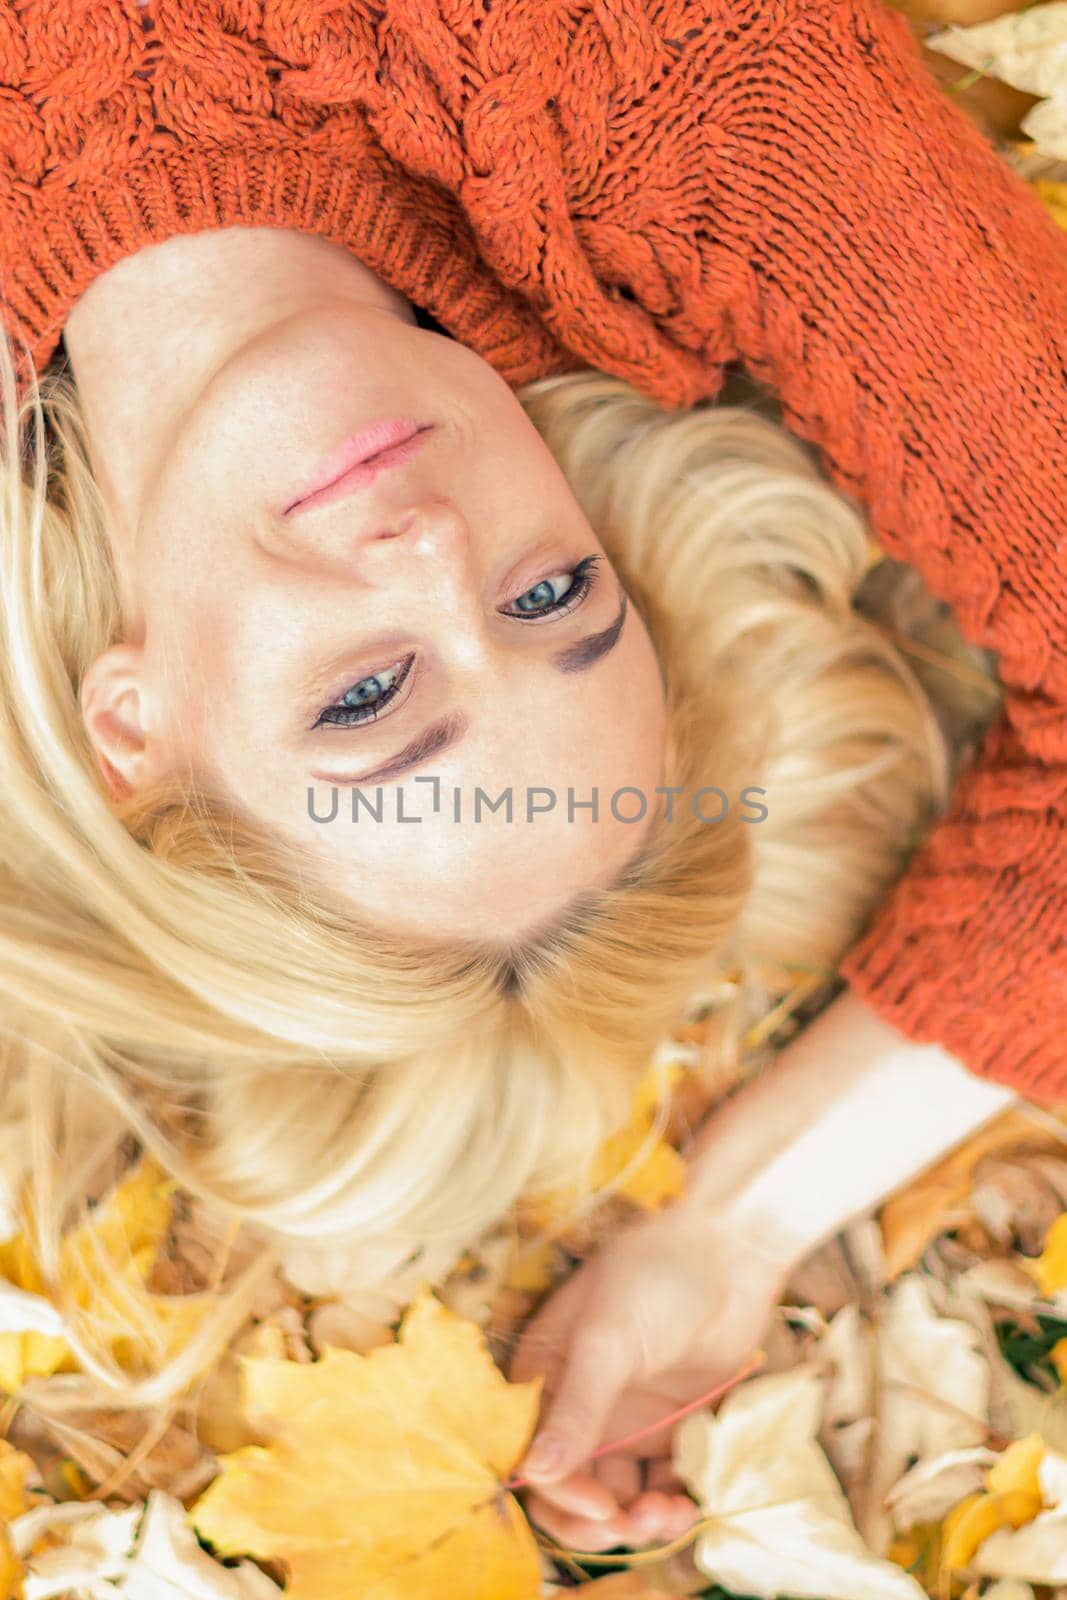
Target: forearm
848, 1112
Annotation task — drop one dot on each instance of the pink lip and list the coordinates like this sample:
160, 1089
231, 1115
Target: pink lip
350, 466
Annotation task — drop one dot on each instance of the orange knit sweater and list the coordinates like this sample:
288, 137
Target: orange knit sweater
655, 188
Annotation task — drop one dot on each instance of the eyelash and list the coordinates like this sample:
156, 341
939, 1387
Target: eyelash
583, 577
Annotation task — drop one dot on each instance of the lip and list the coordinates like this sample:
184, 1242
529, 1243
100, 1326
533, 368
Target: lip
360, 459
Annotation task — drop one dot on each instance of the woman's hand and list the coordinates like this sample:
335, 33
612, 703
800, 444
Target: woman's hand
669, 1307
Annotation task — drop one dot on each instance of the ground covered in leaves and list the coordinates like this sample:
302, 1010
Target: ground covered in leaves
904, 1436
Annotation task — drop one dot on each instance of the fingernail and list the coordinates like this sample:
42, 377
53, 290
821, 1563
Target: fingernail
545, 1455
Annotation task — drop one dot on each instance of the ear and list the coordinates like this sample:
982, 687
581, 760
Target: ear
116, 711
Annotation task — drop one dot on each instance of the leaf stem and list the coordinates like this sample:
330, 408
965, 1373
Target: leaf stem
751, 1365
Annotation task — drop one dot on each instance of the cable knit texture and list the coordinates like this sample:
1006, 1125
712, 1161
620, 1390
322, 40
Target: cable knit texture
654, 188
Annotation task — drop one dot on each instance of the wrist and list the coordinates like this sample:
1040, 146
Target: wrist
743, 1231
844, 1115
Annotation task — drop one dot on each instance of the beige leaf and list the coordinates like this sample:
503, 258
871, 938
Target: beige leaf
935, 1374
1003, 1283
1027, 49
145, 1552
95, 1546
931, 1488
781, 1524
923, 1376
169, 1564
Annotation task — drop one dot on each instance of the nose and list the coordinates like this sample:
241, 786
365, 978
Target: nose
426, 538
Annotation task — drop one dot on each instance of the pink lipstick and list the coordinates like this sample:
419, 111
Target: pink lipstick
360, 459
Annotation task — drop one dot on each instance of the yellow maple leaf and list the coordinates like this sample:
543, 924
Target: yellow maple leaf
103, 1266
1049, 1269
384, 1473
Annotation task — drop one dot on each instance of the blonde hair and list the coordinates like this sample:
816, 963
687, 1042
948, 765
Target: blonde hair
167, 980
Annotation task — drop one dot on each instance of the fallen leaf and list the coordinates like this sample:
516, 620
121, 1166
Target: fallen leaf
779, 1522
923, 1376
1053, 197
169, 1564
930, 1489
15, 1471
103, 1267
384, 1473
1008, 1589
1049, 1269
1027, 49
144, 1552
84, 1544
646, 1172
1012, 1497
939, 1197
1037, 1551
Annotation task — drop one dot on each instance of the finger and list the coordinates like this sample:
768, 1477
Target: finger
581, 1495
596, 1372
652, 1517
545, 1338
662, 1517
661, 1475
573, 1533
622, 1475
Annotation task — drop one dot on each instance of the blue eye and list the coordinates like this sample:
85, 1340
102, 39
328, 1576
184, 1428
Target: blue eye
561, 593
544, 593
363, 701
551, 597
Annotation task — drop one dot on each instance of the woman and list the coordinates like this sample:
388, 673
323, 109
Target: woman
251, 243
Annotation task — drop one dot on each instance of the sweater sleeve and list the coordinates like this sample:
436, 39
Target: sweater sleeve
905, 297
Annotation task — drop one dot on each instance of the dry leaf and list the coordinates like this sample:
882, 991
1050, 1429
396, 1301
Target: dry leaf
95, 1545
939, 1197
1027, 49
1012, 1498
16, 1470
780, 1522
1053, 197
645, 1172
421, 1434
127, 1229
169, 1564
926, 1380
1037, 1551
145, 1552
1049, 1270
930, 1489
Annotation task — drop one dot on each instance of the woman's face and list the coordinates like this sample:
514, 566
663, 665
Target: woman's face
453, 619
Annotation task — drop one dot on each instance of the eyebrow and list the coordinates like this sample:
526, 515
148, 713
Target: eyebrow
581, 655
430, 742
440, 736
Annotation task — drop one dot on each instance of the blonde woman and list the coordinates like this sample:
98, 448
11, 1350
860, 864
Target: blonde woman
510, 250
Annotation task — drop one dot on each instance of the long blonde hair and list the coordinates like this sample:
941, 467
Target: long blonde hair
166, 978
